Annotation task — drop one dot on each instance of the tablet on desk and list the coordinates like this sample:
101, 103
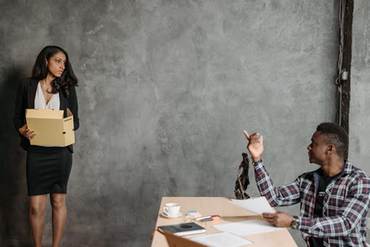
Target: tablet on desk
183, 229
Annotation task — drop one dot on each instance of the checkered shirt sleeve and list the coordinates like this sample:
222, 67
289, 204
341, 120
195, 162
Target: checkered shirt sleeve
277, 196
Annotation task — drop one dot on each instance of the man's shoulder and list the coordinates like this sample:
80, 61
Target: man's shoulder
356, 173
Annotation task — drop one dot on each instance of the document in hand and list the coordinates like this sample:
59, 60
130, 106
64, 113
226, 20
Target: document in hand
50, 128
257, 205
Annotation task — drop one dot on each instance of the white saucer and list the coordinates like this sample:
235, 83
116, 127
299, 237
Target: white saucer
168, 216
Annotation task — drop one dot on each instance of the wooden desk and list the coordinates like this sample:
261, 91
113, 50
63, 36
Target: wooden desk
223, 207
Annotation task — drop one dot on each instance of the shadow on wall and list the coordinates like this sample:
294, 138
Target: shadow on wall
14, 226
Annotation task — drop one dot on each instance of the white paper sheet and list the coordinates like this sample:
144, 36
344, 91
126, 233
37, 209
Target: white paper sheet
248, 227
257, 205
221, 240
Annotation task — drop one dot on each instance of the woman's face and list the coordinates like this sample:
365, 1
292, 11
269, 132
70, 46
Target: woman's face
56, 64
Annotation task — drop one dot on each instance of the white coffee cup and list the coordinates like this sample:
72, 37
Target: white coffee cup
171, 209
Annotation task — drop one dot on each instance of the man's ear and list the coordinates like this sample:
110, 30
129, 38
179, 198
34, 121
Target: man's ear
331, 149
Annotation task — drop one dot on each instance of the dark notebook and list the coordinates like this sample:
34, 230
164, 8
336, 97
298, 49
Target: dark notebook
183, 229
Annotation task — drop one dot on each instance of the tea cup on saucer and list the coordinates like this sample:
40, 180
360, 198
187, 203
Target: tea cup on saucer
171, 210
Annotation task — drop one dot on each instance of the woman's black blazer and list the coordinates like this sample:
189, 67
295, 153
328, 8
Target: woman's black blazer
25, 99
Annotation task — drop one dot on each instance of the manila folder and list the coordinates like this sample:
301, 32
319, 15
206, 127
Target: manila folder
50, 128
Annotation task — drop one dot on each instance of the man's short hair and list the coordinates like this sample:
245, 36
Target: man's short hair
337, 136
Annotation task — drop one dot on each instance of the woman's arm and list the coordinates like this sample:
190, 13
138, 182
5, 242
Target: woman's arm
19, 119
73, 106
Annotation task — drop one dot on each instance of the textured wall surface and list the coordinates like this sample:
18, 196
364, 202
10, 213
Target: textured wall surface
360, 100
360, 89
166, 88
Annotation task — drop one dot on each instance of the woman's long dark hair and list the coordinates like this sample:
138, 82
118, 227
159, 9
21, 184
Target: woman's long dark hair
40, 70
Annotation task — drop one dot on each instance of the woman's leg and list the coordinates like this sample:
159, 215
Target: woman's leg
37, 217
59, 215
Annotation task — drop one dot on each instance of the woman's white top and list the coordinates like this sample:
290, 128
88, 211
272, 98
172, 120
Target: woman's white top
40, 103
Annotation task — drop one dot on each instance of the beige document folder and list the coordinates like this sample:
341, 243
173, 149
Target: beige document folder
50, 128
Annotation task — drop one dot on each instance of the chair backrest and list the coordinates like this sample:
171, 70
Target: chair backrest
177, 241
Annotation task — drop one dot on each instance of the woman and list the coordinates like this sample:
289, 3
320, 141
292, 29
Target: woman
52, 86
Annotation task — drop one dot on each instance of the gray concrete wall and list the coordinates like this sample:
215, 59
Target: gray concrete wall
360, 100
359, 152
166, 88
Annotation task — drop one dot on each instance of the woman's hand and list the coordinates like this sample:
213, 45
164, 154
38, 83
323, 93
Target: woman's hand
26, 132
69, 113
255, 145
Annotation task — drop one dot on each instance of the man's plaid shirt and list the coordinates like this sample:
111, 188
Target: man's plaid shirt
345, 204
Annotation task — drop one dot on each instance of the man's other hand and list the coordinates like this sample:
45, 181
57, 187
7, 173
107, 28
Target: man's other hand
279, 219
255, 145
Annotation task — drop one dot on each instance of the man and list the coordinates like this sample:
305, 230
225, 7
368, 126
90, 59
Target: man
334, 199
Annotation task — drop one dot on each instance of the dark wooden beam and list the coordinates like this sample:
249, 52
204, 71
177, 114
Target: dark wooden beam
344, 62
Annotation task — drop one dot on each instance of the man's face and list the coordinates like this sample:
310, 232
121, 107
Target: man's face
317, 150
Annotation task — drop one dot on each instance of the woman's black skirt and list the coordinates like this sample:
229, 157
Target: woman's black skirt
48, 172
